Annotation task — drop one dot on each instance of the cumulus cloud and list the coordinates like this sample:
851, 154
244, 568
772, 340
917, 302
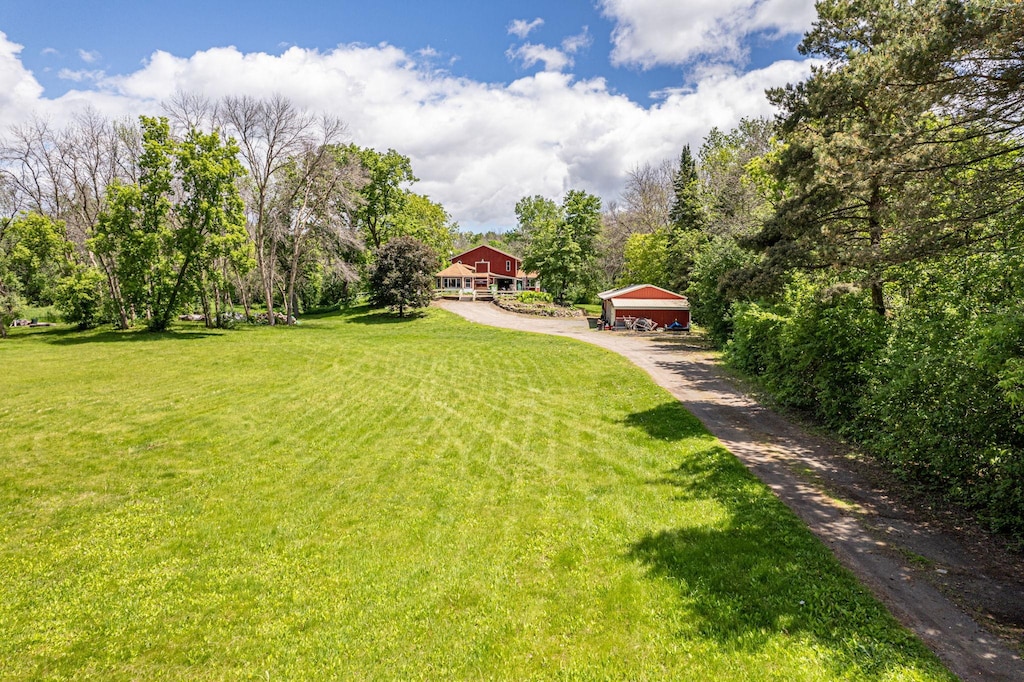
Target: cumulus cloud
477, 147
529, 54
19, 90
89, 56
553, 58
581, 41
652, 32
522, 28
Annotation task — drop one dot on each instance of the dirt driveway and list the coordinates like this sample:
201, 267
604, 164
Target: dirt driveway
931, 579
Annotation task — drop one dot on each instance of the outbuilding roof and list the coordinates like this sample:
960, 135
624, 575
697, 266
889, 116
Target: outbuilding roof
622, 291
652, 303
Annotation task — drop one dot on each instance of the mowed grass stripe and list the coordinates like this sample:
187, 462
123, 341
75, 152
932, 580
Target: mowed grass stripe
365, 498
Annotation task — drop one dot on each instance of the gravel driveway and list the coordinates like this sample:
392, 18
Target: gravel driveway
870, 532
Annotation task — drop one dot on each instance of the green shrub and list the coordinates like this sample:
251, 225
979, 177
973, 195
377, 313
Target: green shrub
813, 352
938, 412
534, 297
709, 299
81, 298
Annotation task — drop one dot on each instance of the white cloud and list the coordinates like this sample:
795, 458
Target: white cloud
581, 41
522, 28
653, 32
530, 54
50, 52
89, 56
80, 75
477, 147
19, 90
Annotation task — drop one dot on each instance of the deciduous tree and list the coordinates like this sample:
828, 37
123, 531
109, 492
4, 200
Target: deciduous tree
385, 194
317, 194
402, 275
561, 241
644, 209
270, 132
164, 235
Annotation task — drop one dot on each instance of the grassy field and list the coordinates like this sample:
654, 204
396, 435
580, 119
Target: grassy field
363, 498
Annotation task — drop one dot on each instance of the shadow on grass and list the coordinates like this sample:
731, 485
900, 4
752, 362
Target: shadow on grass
72, 337
668, 421
384, 317
751, 576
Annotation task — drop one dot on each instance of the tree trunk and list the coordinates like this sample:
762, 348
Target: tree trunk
162, 319
115, 292
204, 299
877, 297
265, 254
875, 235
218, 307
291, 309
268, 295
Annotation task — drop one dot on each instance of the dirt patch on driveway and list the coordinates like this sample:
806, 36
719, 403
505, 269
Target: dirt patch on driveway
939, 581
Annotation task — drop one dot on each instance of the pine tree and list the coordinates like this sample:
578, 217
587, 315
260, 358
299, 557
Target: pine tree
686, 223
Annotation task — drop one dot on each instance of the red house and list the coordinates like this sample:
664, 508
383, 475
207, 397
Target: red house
645, 300
484, 267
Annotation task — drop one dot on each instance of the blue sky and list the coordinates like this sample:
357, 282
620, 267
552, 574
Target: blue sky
492, 100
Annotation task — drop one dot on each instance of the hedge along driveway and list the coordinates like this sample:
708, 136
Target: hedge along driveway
359, 497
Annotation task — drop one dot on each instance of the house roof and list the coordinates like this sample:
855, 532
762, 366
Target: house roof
622, 291
463, 270
503, 253
457, 270
652, 303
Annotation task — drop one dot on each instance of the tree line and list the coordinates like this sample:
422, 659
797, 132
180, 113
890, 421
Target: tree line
863, 253
225, 207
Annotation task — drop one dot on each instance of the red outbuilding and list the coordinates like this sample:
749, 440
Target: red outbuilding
645, 300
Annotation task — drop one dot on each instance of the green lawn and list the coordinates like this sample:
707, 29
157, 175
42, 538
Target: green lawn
592, 309
362, 498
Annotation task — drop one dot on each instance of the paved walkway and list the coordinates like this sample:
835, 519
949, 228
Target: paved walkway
866, 536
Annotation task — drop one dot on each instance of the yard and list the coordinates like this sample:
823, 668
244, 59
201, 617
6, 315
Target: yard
359, 497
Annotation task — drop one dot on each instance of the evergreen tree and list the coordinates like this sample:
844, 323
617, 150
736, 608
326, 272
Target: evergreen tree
686, 223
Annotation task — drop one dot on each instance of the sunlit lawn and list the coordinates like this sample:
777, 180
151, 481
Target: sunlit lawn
362, 498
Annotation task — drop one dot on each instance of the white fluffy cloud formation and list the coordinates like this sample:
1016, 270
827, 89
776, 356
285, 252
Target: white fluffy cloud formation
89, 56
19, 90
477, 147
555, 59
654, 32
522, 28
529, 54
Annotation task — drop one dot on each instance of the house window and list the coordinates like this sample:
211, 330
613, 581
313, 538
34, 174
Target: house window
508, 266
